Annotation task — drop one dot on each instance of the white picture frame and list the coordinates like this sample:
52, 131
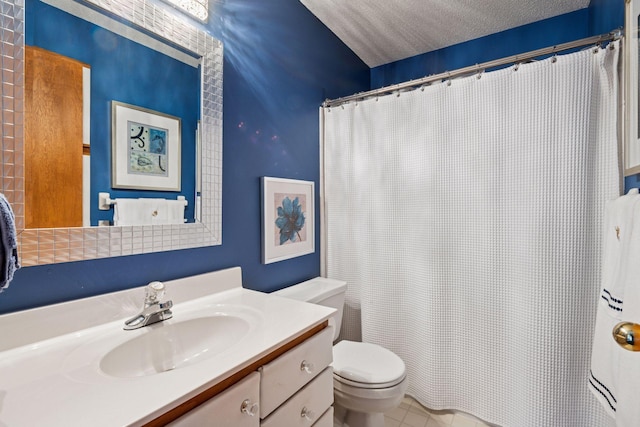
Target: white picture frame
288, 218
631, 146
146, 149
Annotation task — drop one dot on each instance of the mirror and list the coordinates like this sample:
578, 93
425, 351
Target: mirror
43, 246
73, 78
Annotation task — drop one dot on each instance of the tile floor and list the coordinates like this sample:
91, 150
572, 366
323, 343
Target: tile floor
411, 414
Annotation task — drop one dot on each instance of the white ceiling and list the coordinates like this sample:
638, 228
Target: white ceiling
383, 31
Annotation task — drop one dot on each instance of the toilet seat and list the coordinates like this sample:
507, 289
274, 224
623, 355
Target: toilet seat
356, 384
366, 365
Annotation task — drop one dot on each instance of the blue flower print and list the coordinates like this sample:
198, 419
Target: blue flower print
290, 220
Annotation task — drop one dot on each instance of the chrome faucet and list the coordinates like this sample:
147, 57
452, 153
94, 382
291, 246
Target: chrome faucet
154, 309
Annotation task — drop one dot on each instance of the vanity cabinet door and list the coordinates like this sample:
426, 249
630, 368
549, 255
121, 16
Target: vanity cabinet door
307, 406
287, 374
235, 407
326, 420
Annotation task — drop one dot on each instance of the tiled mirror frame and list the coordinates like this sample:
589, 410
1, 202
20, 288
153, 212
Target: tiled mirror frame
46, 246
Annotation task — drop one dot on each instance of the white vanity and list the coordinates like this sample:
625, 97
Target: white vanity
287, 391
228, 357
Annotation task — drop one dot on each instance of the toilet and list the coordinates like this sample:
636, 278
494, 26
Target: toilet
368, 380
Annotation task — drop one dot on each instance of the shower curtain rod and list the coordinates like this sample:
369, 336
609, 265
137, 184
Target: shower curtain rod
595, 40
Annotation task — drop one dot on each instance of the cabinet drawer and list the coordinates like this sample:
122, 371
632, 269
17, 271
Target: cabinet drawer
282, 377
225, 409
306, 406
326, 420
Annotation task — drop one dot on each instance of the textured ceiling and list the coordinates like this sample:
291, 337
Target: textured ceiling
383, 31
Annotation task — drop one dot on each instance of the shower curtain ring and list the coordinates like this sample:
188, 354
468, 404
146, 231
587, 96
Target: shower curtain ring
479, 71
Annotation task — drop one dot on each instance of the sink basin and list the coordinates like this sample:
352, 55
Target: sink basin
169, 345
198, 332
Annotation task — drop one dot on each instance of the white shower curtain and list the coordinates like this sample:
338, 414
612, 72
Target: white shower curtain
466, 218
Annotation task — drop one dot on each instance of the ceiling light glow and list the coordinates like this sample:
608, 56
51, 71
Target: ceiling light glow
199, 9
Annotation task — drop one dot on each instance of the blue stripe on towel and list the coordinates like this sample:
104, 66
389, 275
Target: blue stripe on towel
613, 303
611, 297
607, 396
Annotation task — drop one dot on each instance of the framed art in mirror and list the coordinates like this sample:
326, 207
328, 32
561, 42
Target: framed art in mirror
45, 246
145, 152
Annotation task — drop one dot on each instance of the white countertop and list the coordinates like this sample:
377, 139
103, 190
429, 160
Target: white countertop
56, 381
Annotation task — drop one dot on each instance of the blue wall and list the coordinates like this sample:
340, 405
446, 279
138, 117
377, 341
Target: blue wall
602, 16
119, 71
560, 29
280, 64
605, 16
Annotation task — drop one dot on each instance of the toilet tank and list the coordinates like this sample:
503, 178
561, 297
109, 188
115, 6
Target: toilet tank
321, 291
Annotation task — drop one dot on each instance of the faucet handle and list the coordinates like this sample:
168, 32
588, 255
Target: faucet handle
154, 293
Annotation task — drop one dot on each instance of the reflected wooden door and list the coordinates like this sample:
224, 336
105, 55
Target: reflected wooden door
53, 140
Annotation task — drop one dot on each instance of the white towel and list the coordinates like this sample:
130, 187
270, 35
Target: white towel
148, 212
628, 385
175, 211
169, 212
619, 297
134, 211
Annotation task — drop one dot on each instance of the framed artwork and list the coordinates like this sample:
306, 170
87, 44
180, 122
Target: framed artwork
288, 222
632, 89
145, 149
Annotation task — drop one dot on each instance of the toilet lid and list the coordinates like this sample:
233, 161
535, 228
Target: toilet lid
367, 364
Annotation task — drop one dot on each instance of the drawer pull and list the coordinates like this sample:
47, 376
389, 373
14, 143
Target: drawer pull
308, 414
308, 367
249, 408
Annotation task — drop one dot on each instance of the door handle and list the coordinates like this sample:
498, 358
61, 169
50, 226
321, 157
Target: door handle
627, 335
